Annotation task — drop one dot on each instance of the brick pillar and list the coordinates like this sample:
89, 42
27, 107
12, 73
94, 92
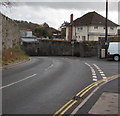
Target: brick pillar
70, 28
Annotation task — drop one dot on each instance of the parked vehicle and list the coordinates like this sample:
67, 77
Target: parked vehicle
114, 51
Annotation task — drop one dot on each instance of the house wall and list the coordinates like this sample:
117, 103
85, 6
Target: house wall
93, 38
67, 33
80, 33
25, 33
93, 33
10, 32
101, 29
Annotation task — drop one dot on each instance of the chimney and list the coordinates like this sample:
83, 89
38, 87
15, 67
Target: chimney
71, 18
70, 28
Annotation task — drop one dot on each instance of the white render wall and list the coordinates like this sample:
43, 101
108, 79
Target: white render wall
80, 33
102, 30
94, 34
67, 33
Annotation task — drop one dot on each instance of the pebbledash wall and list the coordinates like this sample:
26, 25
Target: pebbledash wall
10, 34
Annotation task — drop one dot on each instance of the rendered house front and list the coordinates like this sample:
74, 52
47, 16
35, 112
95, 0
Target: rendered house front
90, 27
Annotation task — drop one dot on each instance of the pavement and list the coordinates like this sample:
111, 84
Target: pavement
45, 84
14, 64
107, 104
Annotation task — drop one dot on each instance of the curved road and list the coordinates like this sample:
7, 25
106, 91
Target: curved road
45, 84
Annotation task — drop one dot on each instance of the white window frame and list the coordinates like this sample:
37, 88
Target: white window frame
96, 27
80, 28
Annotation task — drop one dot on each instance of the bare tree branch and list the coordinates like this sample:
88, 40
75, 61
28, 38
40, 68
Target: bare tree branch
7, 3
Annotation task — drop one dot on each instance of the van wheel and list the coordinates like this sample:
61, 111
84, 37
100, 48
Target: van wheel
116, 58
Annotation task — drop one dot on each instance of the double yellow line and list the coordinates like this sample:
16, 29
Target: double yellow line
70, 103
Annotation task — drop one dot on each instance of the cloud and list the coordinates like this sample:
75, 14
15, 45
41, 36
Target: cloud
55, 13
60, 0
99, 6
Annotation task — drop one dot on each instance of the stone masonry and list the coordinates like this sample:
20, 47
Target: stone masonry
9, 32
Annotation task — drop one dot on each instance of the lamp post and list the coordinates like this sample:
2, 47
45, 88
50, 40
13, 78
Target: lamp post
72, 43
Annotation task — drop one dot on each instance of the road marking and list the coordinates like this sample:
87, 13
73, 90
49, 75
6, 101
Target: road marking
81, 104
88, 97
100, 71
49, 67
93, 73
94, 76
62, 107
17, 81
102, 75
84, 89
67, 108
95, 80
83, 92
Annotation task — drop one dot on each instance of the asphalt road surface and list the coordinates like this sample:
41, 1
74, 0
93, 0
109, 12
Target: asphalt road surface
44, 84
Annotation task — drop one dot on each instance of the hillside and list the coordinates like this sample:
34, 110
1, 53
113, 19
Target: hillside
33, 26
26, 25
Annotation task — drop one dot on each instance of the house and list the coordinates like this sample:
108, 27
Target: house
118, 32
89, 27
27, 36
56, 34
26, 33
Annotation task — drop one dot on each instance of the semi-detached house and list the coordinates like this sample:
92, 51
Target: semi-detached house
89, 27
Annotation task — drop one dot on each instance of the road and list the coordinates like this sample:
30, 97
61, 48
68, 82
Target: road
44, 84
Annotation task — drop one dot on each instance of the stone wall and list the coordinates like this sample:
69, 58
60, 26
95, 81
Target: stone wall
61, 48
0, 35
9, 31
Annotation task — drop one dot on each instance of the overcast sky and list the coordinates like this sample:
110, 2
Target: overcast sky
55, 13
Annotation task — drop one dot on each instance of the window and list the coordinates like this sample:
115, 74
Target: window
95, 27
83, 38
111, 28
80, 28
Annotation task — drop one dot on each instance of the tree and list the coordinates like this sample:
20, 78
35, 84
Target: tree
63, 32
64, 24
41, 31
6, 3
45, 25
63, 29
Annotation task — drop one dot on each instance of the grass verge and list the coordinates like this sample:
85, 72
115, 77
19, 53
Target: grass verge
13, 55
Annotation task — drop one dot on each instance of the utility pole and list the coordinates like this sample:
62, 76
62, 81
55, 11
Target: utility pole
106, 29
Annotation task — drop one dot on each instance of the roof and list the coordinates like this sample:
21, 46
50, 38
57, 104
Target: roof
21, 29
92, 18
28, 39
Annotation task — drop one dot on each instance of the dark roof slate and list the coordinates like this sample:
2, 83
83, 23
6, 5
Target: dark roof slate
92, 18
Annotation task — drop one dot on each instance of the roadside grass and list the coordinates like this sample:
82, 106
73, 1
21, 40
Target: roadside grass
0, 61
13, 55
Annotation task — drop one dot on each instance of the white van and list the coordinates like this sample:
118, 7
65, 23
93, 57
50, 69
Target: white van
114, 51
